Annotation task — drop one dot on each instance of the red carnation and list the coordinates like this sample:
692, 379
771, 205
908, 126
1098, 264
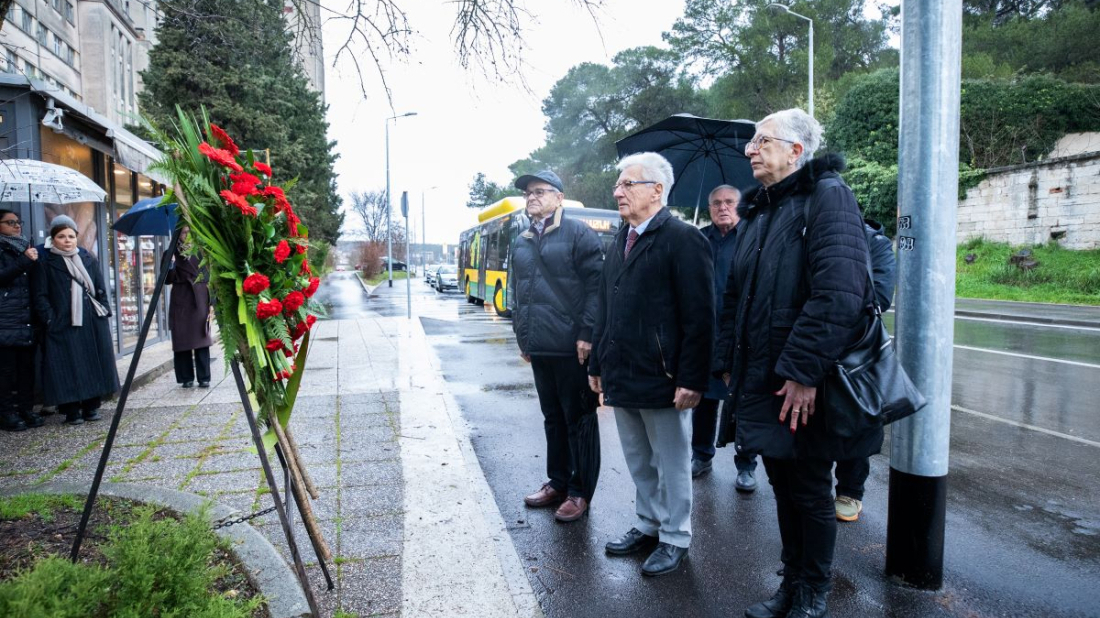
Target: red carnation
310, 320
292, 222
299, 329
219, 156
300, 249
288, 353
269, 309
282, 251
263, 168
244, 184
224, 139
305, 270
256, 283
313, 283
273, 345
293, 301
234, 199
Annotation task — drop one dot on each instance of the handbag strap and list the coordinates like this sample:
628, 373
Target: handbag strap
555, 286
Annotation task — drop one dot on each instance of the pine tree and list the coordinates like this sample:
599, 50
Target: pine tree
234, 57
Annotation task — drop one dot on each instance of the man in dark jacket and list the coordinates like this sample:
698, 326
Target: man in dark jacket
17, 258
653, 340
722, 234
556, 268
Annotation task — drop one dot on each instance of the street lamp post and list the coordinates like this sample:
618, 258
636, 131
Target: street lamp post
423, 229
787, 9
389, 216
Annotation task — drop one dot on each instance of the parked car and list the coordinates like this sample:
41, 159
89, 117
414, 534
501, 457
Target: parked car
429, 274
446, 277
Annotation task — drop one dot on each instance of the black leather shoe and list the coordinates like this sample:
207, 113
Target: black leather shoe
700, 467
92, 415
74, 419
30, 419
188, 384
776, 607
11, 422
630, 542
665, 559
746, 481
204, 384
809, 603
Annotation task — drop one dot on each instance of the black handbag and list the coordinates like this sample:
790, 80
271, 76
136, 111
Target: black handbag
868, 386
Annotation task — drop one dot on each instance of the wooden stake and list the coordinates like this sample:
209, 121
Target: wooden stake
300, 496
297, 456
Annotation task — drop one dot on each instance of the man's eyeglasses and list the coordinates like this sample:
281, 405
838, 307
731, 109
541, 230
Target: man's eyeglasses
12, 222
760, 141
537, 193
626, 184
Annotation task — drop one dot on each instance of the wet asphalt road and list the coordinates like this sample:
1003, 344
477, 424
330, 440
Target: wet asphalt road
1023, 528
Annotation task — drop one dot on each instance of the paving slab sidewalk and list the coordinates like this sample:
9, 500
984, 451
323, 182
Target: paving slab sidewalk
404, 506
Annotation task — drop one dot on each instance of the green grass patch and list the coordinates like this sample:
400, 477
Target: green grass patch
42, 505
155, 565
383, 276
1062, 276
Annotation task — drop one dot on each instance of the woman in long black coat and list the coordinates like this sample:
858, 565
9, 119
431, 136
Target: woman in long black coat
17, 260
189, 317
78, 364
797, 297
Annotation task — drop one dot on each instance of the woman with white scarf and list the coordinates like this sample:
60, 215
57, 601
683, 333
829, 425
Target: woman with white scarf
78, 366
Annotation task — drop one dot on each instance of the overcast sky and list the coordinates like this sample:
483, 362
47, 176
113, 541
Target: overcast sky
465, 123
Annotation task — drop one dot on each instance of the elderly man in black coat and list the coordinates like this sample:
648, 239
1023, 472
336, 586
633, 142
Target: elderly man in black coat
189, 316
796, 299
556, 268
17, 260
653, 342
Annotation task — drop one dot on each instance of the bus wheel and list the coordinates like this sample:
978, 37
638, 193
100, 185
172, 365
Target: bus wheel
498, 303
469, 297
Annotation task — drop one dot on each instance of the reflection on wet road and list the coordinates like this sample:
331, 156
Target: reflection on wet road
1023, 523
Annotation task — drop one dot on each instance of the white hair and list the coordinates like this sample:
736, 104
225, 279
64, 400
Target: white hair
710, 195
654, 167
796, 126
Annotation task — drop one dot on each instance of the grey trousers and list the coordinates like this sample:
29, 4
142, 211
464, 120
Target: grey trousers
657, 447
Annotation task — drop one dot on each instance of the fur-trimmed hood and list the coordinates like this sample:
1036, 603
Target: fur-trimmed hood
802, 180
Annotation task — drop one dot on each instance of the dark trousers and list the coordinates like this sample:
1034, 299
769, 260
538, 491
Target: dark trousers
76, 408
807, 517
186, 369
851, 475
16, 380
571, 424
704, 430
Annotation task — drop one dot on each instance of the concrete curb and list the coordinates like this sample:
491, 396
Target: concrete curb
266, 568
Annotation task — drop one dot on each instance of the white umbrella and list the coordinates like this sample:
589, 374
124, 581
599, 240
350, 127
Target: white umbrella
27, 180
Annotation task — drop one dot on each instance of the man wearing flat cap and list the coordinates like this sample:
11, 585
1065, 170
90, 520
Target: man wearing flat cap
556, 266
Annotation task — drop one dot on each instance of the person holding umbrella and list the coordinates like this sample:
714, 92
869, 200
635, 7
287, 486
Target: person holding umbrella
556, 267
189, 315
78, 364
17, 336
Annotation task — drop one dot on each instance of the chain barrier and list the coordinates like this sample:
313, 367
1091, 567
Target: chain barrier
225, 523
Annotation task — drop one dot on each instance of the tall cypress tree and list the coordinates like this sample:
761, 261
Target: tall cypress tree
235, 58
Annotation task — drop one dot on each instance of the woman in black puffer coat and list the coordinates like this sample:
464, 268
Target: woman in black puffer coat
797, 297
17, 259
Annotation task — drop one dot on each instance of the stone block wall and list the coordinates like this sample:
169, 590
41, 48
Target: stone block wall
1057, 199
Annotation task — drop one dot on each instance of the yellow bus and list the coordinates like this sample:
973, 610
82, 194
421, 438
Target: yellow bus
485, 250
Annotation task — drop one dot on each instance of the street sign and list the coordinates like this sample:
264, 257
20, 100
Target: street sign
405, 204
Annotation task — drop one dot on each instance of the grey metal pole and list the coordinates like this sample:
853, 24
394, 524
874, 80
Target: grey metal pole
928, 174
811, 66
389, 216
423, 236
408, 263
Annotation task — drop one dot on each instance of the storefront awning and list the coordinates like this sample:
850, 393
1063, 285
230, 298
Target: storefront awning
135, 154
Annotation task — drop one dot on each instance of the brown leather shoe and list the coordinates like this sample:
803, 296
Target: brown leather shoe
572, 509
545, 496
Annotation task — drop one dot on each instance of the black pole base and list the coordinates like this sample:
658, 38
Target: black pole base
915, 529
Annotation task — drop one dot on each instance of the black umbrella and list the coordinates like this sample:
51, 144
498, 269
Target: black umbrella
704, 153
